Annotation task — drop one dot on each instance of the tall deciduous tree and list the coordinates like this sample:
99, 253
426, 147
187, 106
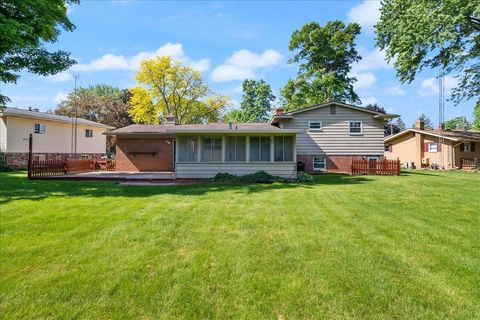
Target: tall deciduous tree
458, 123
326, 55
170, 87
24, 26
427, 123
256, 103
420, 34
100, 103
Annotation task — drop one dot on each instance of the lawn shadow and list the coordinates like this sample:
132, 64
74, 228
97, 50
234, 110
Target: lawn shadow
15, 186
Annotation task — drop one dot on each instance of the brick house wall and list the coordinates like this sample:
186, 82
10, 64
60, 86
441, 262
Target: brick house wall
338, 164
144, 154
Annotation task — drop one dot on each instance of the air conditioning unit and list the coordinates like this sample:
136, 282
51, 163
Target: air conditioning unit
425, 161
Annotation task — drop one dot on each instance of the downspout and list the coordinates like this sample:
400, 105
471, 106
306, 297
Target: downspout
453, 154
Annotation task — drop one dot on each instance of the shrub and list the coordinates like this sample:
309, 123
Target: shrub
257, 177
260, 177
304, 177
225, 176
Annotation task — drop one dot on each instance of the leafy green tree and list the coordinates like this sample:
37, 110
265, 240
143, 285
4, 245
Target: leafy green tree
400, 124
170, 87
325, 55
24, 26
476, 116
256, 104
420, 34
458, 123
100, 103
427, 123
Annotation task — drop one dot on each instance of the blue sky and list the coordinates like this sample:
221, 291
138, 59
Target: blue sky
228, 42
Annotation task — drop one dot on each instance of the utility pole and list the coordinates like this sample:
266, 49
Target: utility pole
76, 115
441, 115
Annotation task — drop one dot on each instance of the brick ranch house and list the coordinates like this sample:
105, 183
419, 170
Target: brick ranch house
52, 137
323, 137
449, 149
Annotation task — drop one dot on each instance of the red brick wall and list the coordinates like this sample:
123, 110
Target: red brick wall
339, 164
130, 158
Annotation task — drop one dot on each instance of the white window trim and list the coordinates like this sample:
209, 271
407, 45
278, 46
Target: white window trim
324, 164
430, 144
355, 133
88, 136
465, 149
315, 129
372, 158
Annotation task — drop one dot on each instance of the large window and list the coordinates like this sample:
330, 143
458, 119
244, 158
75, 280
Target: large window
355, 127
39, 128
283, 148
235, 149
319, 164
259, 149
187, 149
212, 149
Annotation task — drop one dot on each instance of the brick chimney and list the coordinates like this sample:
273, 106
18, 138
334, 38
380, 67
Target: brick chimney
420, 124
170, 119
278, 111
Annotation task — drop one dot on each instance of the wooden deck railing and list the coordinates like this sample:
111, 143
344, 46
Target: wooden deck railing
470, 163
376, 167
51, 168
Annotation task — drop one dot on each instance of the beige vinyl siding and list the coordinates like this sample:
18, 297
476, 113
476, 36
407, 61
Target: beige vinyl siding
334, 138
56, 139
3, 134
208, 170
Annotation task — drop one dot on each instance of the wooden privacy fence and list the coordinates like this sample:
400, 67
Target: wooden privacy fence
50, 168
376, 167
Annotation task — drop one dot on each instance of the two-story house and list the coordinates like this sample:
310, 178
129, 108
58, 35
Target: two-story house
54, 136
334, 134
323, 137
420, 147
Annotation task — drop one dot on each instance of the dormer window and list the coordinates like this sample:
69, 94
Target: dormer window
315, 126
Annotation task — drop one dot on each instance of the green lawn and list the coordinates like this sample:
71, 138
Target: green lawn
343, 247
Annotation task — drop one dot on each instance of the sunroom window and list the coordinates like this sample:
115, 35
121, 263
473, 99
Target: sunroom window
187, 149
259, 149
283, 149
235, 149
212, 149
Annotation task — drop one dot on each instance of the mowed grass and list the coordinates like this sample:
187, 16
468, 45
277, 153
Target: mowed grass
343, 247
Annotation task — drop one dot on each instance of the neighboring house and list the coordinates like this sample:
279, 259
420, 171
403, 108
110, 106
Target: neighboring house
325, 138
203, 150
333, 134
53, 136
419, 147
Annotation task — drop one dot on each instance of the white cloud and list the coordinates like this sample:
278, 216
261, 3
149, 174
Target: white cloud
369, 100
364, 80
59, 97
395, 91
243, 63
60, 77
366, 14
111, 61
371, 60
226, 72
429, 86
